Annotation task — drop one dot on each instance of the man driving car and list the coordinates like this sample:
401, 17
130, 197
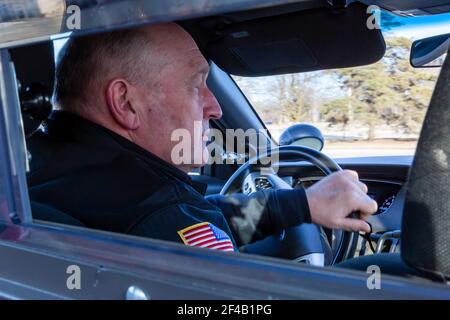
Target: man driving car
104, 156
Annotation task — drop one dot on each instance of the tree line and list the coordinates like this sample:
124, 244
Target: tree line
390, 92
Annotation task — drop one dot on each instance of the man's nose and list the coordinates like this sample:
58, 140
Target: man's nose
212, 109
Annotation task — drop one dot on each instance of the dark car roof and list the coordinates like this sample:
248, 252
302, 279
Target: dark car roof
25, 22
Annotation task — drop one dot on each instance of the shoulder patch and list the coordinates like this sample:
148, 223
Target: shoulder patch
206, 235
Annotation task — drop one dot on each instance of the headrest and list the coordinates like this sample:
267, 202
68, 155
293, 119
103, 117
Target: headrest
426, 218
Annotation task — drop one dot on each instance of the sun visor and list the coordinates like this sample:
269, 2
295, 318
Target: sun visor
288, 43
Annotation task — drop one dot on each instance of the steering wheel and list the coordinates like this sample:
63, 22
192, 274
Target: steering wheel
308, 243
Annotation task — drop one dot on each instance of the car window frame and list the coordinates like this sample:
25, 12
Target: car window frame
205, 271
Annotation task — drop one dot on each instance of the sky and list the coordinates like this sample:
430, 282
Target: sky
420, 27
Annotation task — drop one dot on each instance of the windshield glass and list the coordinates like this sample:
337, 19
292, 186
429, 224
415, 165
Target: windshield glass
374, 110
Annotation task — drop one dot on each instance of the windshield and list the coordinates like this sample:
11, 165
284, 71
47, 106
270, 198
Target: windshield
374, 110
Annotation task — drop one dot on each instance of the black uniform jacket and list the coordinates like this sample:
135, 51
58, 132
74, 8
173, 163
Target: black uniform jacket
107, 182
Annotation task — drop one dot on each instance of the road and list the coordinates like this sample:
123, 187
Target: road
382, 147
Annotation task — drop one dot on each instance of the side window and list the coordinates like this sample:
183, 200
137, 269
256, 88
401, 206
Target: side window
58, 44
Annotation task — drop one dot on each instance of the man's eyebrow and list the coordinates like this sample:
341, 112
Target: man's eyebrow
203, 71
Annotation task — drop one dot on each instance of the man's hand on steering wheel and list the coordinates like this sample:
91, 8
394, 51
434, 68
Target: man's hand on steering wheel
338, 202
335, 197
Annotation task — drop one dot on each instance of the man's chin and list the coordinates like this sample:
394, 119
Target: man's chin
198, 157
197, 161
200, 162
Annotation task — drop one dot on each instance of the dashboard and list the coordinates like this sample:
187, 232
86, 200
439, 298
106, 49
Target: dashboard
385, 178
385, 223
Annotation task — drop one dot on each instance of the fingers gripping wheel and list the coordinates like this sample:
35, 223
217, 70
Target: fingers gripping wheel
305, 243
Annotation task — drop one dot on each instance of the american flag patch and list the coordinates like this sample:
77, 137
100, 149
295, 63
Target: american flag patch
206, 235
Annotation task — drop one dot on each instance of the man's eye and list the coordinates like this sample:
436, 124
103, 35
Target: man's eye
198, 86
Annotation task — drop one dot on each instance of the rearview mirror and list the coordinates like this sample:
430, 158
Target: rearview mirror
302, 134
430, 52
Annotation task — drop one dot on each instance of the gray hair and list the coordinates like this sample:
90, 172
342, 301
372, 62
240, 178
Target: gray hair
86, 61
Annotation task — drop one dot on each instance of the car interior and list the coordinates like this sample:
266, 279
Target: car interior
302, 37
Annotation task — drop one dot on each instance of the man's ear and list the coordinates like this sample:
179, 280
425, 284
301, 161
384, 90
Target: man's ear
120, 104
